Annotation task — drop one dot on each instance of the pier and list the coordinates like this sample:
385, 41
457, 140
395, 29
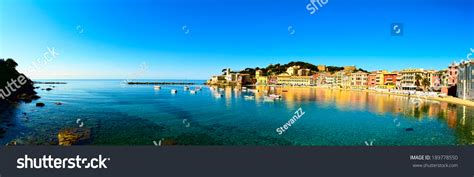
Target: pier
161, 83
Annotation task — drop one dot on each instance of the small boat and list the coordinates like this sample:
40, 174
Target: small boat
174, 91
249, 97
275, 96
268, 99
221, 89
199, 88
157, 87
244, 88
186, 88
192, 92
218, 95
284, 90
253, 90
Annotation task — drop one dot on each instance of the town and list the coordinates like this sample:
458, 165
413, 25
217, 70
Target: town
455, 81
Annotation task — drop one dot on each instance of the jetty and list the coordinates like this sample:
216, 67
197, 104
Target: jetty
161, 83
51, 83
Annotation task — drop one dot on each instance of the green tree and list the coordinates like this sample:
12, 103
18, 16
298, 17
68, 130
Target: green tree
417, 80
426, 83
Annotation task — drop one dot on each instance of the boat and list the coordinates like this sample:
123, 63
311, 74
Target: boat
192, 92
157, 87
199, 88
186, 88
174, 91
218, 95
268, 99
244, 88
221, 89
249, 97
275, 96
253, 90
284, 90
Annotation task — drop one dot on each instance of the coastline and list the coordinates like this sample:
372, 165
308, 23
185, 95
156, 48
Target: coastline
448, 99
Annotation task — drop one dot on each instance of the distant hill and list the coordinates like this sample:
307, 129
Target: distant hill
275, 69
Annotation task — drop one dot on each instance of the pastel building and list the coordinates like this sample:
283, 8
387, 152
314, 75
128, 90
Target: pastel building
376, 79
304, 72
292, 70
261, 79
319, 79
390, 80
359, 80
465, 82
243, 79
330, 80
409, 78
295, 80
218, 80
452, 74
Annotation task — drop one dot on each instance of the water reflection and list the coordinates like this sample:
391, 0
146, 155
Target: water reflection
457, 117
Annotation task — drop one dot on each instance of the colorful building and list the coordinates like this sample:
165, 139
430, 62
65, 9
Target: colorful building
243, 79
295, 80
261, 79
452, 74
359, 80
409, 78
389, 80
465, 82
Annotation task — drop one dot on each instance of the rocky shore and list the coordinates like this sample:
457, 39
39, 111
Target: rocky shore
15, 87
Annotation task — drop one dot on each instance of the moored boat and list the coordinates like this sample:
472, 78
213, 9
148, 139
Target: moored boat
275, 96
268, 99
249, 97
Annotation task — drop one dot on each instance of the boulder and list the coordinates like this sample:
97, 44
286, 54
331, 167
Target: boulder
73, 136
40, 104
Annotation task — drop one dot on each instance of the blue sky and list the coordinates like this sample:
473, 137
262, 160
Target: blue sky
111, 39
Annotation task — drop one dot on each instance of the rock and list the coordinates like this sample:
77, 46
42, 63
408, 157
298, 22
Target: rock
168, 142
49, 89
40, 105
2, 132
27, 97
11, 143
409, 129
73, 136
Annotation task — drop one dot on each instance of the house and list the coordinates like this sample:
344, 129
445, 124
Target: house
294, 80
465, 85
409, 81
359, 80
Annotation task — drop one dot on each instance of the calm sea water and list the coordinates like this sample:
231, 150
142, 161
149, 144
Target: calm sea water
139, 115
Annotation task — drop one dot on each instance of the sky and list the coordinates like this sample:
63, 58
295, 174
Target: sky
194, 39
